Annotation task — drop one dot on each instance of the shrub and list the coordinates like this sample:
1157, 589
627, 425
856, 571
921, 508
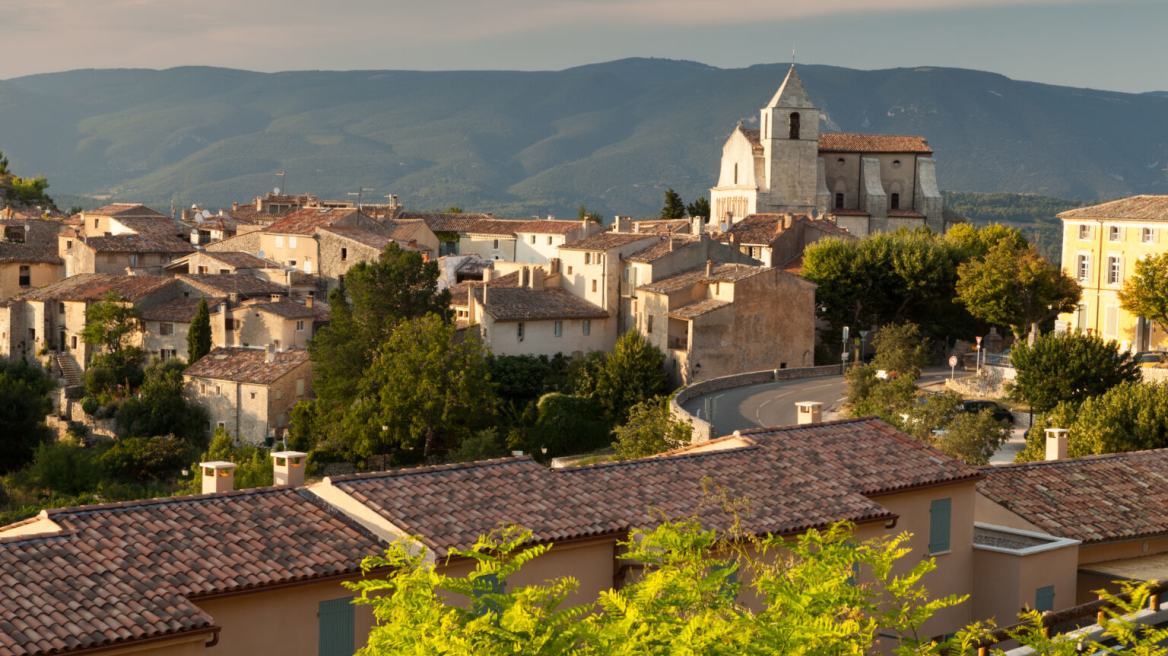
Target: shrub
64, 468
651, 429
483, 445
568, 425
78, 431
90, 405
140, 459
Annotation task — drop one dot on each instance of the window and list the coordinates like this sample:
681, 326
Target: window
519, 331
1111, 322
25, 276
559, 328
495, 245
649, 323
166, 354
229, 323
1083, 268
73, 342
482, 605
549, 241
341, 282
279, 394
292, 263
133, 259
32, 334
1113, 270
1084, 232
276, 343
587, 327
1148, 235
939, 512
300, 326
68, 245
218, 391
594, 285
165, 329
794, 125
95, 224
300, 387
569, 270
253, 395
1114, 233
533, 239
345, 253
894, 201
221, 426
588, 258
279, 242
736, 174
1081, 317
765, 124
291, 242
839, 200
1044, 599
60, 308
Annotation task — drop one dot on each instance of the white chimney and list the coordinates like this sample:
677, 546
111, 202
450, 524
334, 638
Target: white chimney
1056, 443
271, 357
810, 412
218, 476
488, 274
288, 467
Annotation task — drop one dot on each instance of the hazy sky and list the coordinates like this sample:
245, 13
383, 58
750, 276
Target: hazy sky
1110, 45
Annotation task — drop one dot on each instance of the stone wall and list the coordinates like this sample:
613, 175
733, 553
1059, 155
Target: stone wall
988, 384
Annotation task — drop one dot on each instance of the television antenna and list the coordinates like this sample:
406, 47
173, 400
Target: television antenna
360, 190
283, 182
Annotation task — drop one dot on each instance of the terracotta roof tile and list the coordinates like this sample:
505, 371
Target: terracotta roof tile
305, 221
753, 136
121, 210
664, 246
460, 293
93, 286
547, 227
697, 309
605, 240
283, 308
241, 260
500, 227
905, 214
161, 225
363, 237
246, 365
840, 142
664, 226
525, 304
139, 243
232, 283
26, 252
756, 229
721, 273
404, 230
1093, 499
179, 310
445, 222
1135, 208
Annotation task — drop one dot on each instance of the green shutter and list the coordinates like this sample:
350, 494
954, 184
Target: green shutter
731, 580
483, 604
335, 618
1044, 599
939, 512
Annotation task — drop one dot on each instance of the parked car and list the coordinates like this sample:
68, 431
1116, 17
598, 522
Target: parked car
1151, 359
982, 405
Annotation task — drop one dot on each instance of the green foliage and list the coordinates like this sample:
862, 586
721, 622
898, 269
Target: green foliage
65, 468
426, 386
110, 323
699, 208
977, 241
568, 425
900, 349
1131, 416
688, 593
142, 459
523, 378
972, 437
1068, 367
304, 433
583, 375
651, 429
454, 209
1015, 287
115, 372
584, 215
634, 372
199, 335
483, 445
674, 207
1145, 291
253, 465
1036, 215
160, 408
886, 399
29, 191
90, 405
24, 402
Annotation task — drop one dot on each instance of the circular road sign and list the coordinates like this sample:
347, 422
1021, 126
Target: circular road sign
953, 361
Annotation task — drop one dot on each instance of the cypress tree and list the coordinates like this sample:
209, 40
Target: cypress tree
199, 336
674, 207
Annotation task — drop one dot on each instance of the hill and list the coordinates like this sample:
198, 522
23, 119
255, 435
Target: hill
612, 136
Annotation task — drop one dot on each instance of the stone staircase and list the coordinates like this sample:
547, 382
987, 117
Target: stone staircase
69, 372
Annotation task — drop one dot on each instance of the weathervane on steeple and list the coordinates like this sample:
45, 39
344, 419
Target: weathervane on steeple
792, 54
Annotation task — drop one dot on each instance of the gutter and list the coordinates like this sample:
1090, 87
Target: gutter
134, 643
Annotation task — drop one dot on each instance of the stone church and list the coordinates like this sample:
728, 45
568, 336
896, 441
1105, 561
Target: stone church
864, 182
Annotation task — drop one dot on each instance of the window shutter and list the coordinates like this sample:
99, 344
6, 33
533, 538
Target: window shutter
1111, 321
939, 512
335, 618
731, 580
1044, 599
482, 604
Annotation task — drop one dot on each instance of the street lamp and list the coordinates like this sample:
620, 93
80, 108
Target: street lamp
543, 449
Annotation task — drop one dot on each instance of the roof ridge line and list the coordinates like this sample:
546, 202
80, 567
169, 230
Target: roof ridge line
659, 458
1070, 461
63, 533
158, 501
429, 469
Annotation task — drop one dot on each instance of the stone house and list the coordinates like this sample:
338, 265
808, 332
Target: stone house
341, 247
249, 391
166, 325
223, 262
447, 228
537, 242
490, 239
591, 268
209, 230
114, 218
414, 230
291, 240
234, 287
281, 323
248, 592
777, 240
121, 254
725, 319
25, 266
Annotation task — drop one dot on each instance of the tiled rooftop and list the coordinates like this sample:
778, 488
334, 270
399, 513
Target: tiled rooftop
179, 310
848, 212
445, 222
122, 210
131, 571
26, 252
606, 240
698, 308
524, 304
1093, 499
664, 227
546, 227
1135, 208
720, 273
240, 260
160, 225
404, 230
755, 229
363, 237
305, 221
460, 293
284, 308
246, 365
841, 142
905, 214
664, 246
139, 243
232, 283
93, 286
499, 227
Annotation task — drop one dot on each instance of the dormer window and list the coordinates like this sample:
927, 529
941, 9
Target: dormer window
794, 131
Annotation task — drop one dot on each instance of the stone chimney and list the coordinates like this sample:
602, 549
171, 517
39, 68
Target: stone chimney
787, 219
696, 225
275, 297
637, 227
709, 268
810, 412
1056, 443
488, 274
218, 476
288, 467
271, 357
485, 287
670, 238
308, 301
235, 207
623, 224
732, 238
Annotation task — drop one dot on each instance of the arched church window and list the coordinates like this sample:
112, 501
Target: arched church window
794, 125
894, 201
839, 200
765, 124
735, 174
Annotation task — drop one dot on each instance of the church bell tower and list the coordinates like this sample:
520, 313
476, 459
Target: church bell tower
789, 132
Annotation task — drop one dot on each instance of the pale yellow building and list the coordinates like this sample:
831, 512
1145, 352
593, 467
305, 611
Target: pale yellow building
1101, 244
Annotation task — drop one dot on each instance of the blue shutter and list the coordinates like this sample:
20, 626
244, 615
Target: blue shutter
335, 618
1044, 599
939, 512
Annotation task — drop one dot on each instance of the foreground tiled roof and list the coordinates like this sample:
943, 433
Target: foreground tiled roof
240, 260
460, 293
524, 304
122, 572
232, 283
141, 243
305, 221
363, 237
720, 273
445, 222
697, 309
404, 230
1093, 499
1135, 208
93, 286
841, 142
179, 310
606, 240
121, 210
26, 252
246, 365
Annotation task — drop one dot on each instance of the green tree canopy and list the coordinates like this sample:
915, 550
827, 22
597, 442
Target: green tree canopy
160, 407
699, 208
24, 402
253, 465
651, 429
110, 323
977, 241
633, 373
1069, 367
674, 207
1145, 292
900, 349
1016, 288
199, 335
1131, 416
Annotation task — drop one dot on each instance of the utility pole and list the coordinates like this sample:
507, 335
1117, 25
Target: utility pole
360, 190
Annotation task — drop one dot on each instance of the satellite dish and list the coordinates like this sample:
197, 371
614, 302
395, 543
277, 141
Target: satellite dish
194, 206
276, 191
261, 255
814, 214
206, 214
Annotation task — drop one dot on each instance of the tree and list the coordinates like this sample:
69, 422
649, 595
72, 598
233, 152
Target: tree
977, 242
142, 459
1068, 367
1131, 416
1145, 292
483, 445
425, 387
634, 372
651, 429
199, 335
160, 407
454, 209
886, 399
253, 465
567, 425
688, 591
674, 207
109, 323
24, 402
900, 349
64, 468
699, 208
972, 437
584, 215
3, 163
1016, 288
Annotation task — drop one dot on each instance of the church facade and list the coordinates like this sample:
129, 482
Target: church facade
864, 182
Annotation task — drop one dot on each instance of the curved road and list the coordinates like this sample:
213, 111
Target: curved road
773, 404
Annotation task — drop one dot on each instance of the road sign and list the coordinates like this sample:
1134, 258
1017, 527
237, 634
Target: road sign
953, 361
845, 334
846, 354
979, 341
952, 366
864, 334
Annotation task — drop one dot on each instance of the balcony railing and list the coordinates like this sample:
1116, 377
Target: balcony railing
678, 343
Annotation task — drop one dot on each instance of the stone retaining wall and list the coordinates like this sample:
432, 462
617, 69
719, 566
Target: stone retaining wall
989, 384
704, 430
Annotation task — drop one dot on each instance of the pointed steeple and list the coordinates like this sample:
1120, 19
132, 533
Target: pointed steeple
791, 94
